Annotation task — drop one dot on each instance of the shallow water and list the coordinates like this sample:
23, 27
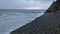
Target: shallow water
13, 19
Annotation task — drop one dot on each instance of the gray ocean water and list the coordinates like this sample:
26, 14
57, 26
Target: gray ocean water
13, 19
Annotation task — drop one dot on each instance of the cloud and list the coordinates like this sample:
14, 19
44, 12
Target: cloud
12, 4
41, 1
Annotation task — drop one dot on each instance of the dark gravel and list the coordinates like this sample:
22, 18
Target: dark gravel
49, 23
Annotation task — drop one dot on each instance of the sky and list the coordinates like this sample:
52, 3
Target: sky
20, 4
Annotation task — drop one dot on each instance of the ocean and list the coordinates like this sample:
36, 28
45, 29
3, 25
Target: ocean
11, 19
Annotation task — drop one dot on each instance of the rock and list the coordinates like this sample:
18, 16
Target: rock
55, 6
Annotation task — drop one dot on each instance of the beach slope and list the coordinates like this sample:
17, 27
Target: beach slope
49, 23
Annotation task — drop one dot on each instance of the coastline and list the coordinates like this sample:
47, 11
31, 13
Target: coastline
49, 23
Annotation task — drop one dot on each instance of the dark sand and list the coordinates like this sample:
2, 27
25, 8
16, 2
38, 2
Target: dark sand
49, 23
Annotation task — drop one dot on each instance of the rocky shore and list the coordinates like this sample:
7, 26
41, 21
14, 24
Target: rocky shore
49, 23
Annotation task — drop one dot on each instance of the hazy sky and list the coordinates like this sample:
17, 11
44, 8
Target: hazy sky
18, 4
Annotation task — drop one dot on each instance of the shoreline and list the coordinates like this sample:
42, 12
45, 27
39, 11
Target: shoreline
49, 23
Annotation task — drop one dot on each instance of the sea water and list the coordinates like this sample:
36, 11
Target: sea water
13, 19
